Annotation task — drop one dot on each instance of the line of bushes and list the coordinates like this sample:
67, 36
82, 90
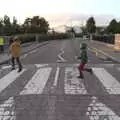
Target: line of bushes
56, 36
42, 37
105, 38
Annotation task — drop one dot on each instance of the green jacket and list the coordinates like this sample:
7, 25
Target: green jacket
83, 56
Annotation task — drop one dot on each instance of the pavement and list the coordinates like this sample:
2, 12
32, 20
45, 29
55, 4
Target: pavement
25, 48
106, 49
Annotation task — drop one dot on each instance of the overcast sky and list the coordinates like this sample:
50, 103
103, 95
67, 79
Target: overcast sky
61, 11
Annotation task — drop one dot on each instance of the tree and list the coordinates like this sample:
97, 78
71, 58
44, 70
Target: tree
15, 26
27, 25
90, 25
36, 25
44, 25
100, 30
14, 21
7, 25
1, 26
112, 27
118, 27
84, 31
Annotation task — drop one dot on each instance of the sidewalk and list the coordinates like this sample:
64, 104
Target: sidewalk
25, 48
106, 49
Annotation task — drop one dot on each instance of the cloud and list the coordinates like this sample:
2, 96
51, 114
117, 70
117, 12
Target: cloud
77, 19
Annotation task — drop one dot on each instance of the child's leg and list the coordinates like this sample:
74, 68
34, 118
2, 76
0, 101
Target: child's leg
81, 68
88, 70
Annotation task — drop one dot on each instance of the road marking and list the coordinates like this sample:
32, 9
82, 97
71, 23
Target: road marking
109, 65
99, 111
73, 85
6, 67
33, 51
38, 82
56, 77
108, 61
24, 56
7, 110
61, 59
41, 65
9, 78
110, 83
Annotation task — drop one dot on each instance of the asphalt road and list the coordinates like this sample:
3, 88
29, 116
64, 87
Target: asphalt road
67, 49
48, 87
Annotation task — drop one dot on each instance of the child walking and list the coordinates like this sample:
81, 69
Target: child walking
84, 60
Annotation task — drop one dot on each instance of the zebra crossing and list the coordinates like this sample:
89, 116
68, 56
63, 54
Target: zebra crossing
71, 85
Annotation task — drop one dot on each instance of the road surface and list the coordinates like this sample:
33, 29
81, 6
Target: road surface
48, 87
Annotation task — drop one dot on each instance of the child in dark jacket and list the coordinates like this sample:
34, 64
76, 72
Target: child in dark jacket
84, 60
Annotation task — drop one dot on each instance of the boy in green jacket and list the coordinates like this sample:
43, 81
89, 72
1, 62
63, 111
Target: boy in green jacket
84, 60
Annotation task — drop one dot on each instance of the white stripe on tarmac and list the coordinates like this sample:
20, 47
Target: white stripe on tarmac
7, 110
24, 56
99, 111
72, 84
56, 77
109, 82
33, 51
9, 78
5, 67
38, 82
41, 65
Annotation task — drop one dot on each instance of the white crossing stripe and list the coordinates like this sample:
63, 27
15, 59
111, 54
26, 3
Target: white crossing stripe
56, 77
38, 82
9, 78
41, 65
72, 84
99, 111
5, 67
109, 82
7, 110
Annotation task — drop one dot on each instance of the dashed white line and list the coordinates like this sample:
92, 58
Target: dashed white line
56, 77
33, 51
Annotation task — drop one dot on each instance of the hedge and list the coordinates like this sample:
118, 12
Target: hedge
44, 37
40, 37
105, 38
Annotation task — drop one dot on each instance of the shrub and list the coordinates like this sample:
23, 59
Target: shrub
27, 38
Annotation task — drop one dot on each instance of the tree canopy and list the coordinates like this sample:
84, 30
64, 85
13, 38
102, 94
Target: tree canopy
35, 24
